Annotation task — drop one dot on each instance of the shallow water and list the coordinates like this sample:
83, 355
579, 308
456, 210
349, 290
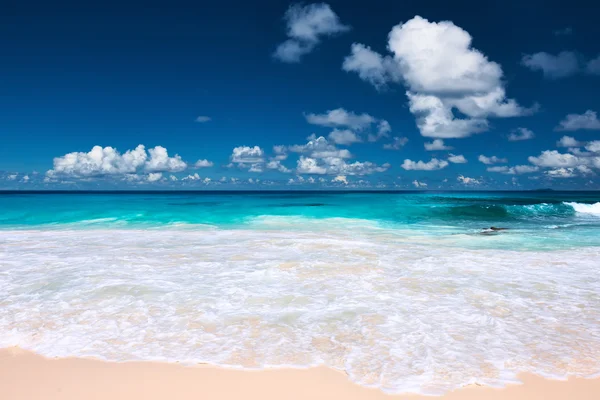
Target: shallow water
401, 291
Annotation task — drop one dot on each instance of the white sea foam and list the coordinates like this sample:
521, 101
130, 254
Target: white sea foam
585, 208
400, 315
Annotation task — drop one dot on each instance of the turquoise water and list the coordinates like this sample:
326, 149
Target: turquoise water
405, 292
547, 220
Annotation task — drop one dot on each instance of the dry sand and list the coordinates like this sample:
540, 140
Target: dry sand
24, 375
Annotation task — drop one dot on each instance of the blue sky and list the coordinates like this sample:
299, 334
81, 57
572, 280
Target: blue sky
348, 92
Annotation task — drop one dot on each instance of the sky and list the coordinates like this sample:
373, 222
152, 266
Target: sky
428, 95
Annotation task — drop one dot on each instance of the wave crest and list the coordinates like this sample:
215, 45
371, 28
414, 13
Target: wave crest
583, 208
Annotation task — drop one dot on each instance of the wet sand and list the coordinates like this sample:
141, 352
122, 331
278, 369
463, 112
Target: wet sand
27, 376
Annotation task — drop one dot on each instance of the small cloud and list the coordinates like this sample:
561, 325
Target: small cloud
203, 118
457, 159
468, 181
154, 176
431, 165
203, 164
561, 173
251, 158
418, 184
193, 177
593, 66
306, 25
564, 31
574, 122
397, 143
437, 144
340, 179
562, 65
344, 137
521, 134
516, 170
341, 118
568, 141
491, 160
276, 164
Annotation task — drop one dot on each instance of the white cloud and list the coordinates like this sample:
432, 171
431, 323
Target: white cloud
276, 164
561, 173
436, 119
99, 161
340, 179
568, 141
344, 137
384, 128
341, 118
565, 165
173, 178
108, 161
307, 165
203, 164
371, 66
516, 170
573, 122
306, 25
468, 181
418, 184
442, 72
280, 153
25, 179
154, 176
491, 160
593, 146
319, 147
194, 177
11, 177
258, 167
584, 169
554, 159
321, 157
397, 143
161, 162
437, 144
203, 118
431, 165
521, 134
350, 123
423, 50
247, 155
552, 66
457, 159
593, 66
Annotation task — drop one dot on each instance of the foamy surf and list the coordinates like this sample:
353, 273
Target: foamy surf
392, 312
593, 209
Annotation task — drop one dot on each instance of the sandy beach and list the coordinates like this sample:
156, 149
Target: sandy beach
27, 376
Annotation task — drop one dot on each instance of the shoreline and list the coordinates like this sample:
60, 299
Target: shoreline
25, 376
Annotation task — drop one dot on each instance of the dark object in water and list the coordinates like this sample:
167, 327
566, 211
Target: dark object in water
492, 230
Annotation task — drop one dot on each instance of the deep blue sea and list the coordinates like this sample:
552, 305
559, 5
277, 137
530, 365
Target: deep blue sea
404, 291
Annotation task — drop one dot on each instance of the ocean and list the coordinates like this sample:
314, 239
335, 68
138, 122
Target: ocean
408, 292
